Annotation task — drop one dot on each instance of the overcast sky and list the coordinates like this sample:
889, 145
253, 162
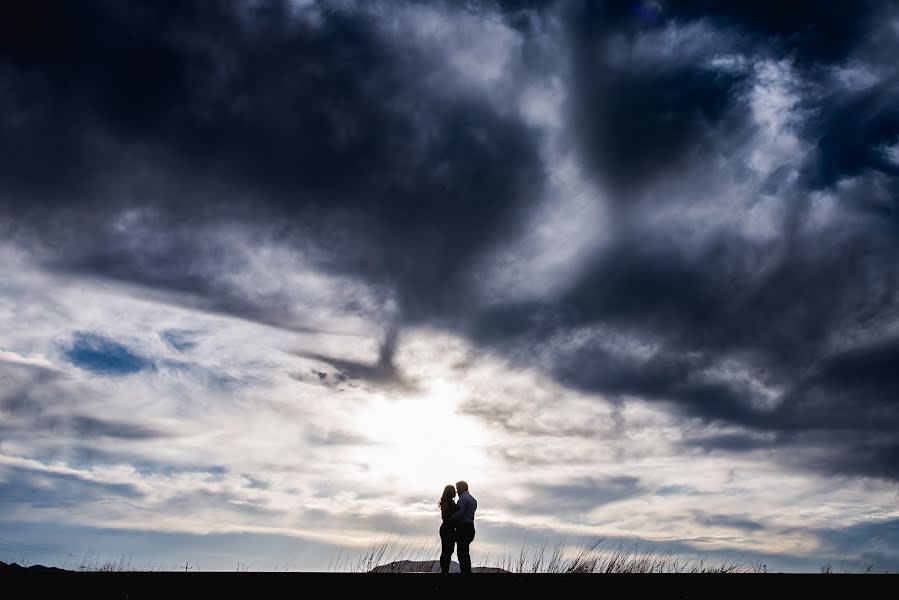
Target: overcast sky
274, 273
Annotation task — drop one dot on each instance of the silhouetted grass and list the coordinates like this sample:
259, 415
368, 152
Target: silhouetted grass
828, 569
585, 557
95, 563
591, 556
383, 551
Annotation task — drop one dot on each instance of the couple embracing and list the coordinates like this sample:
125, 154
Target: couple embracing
457, 527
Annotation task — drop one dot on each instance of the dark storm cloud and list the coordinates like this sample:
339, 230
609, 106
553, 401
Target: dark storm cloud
580, 496
659, 119
777, 308
247, 112
841, 418
866, 376
869, 451
720, 299
853, 128
640, 118
805, 29
778, 322
381, 372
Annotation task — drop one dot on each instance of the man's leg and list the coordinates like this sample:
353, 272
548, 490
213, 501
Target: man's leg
466, 535
464, 557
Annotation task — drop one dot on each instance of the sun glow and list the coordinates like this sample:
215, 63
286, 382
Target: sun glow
422, 442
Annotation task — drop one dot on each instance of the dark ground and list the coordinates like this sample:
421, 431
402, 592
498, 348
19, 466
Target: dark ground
135, 586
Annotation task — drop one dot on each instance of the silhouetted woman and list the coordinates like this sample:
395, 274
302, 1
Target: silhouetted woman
447, 506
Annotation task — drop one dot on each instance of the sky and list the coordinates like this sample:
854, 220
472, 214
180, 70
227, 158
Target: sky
272, 273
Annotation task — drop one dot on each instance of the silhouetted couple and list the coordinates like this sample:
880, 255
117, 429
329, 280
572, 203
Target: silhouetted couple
457, 527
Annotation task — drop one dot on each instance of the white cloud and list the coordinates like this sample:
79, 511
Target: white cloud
476, 46
773, 101
891, 153
471, 415
35, 360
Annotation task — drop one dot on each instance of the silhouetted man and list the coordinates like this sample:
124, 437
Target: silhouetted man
464, 522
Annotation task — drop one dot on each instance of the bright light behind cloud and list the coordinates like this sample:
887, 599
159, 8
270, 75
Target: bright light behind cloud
421, 443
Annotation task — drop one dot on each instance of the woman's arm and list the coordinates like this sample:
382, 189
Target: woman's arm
449, 511
458, 512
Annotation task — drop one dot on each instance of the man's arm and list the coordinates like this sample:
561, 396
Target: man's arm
459, 511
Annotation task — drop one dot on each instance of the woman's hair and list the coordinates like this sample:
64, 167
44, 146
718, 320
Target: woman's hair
449, 492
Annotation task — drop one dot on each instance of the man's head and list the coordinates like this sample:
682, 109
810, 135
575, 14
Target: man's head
461, 487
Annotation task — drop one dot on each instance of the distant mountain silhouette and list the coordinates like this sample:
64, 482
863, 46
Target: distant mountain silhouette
399, 566
427, 566
17, 566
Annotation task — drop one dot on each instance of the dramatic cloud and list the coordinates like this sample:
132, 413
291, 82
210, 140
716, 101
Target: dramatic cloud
284, 269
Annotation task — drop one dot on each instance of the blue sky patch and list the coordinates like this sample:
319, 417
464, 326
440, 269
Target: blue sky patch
102, 355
